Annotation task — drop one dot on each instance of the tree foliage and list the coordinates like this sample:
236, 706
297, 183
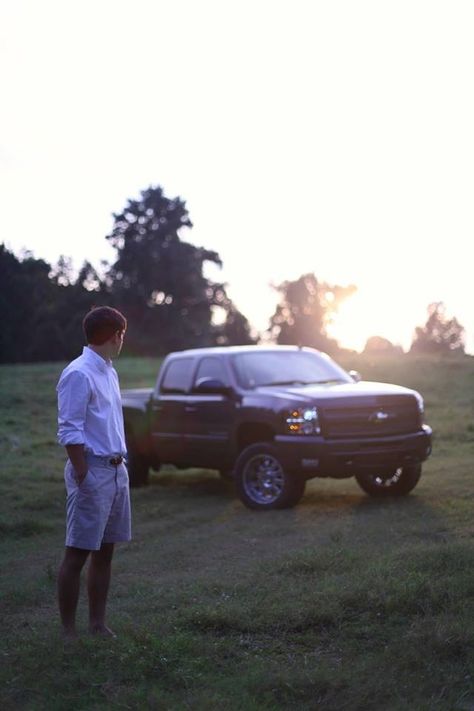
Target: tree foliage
381, 346
305, 310
440, 334
41, 311
158, 279
236, 329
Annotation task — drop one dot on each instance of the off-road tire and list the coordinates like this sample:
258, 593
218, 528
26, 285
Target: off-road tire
138, 467
402, 481
261, 481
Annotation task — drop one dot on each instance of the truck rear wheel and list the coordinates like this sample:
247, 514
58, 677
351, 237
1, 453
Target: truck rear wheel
262, 482
395, 483
138, 466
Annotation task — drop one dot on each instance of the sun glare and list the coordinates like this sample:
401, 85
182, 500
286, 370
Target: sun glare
363, 316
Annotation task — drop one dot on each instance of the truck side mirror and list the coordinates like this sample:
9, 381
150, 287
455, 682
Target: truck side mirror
355, 375
211, 386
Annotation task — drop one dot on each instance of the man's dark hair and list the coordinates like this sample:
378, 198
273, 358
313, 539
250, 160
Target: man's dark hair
101, 323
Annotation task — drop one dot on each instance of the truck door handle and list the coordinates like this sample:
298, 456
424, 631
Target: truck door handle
190, 408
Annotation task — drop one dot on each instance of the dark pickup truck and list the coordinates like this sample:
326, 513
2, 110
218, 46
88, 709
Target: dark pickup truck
273, 417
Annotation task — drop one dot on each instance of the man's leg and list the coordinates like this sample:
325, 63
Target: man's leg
69, 579
98, 580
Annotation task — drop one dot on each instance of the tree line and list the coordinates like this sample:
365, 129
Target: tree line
157, 280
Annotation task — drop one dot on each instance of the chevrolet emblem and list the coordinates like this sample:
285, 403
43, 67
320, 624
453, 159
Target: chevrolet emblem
378, 417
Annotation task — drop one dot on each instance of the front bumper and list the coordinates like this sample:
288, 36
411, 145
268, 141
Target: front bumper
313, 456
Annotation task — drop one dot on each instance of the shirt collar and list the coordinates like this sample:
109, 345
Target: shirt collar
95, 358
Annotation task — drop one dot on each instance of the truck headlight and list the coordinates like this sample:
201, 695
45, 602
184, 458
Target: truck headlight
303, 420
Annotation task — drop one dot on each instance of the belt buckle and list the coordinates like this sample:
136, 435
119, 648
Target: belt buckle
116, 461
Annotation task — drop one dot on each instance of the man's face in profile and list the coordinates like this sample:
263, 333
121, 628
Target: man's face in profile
119, 336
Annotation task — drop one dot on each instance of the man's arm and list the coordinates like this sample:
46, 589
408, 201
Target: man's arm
73, 398
76, 454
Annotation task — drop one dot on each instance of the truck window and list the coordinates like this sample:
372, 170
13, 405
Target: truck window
178, 374
284, 367
211, 368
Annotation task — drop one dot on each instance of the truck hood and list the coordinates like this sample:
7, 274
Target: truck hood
371, 393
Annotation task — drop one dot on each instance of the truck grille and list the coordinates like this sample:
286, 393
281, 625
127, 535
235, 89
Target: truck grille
397, 415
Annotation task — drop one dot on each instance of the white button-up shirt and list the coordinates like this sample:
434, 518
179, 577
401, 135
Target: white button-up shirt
89, 405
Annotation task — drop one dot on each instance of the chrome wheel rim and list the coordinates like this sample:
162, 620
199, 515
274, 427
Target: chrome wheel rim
263, 479
384, 482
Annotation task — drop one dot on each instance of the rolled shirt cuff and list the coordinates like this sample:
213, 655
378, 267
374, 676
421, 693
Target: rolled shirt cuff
65, 438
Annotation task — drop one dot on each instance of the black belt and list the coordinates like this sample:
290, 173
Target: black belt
106, 459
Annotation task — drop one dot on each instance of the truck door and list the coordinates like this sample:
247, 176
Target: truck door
209, 419
168, 411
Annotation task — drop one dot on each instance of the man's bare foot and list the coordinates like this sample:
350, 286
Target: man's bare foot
102, 631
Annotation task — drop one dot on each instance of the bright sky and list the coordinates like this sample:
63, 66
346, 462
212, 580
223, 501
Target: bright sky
305, 135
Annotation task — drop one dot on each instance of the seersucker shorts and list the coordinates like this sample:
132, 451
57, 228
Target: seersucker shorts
97, 510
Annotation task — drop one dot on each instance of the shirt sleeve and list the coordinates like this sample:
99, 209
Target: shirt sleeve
73, 397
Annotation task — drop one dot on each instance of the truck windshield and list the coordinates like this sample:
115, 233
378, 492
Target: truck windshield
286, 368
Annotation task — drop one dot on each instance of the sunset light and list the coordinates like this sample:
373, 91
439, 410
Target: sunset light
339, 142
364, 315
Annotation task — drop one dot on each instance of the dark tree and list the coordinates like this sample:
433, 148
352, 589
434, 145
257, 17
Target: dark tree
305, 310
62, 273
72, 301
236, 330
41, 308
13, 307
157, 279
27, 301
379, 345
440, 334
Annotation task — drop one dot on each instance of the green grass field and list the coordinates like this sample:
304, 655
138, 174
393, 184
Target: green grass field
340, 603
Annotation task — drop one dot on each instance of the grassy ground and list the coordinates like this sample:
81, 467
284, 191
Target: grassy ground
341, 603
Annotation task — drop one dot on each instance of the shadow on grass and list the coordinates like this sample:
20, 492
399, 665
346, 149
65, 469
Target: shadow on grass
388, 518
201, 482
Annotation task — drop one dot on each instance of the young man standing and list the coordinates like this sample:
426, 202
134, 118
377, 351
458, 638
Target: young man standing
90, 427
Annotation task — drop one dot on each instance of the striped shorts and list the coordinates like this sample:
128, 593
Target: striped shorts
97, 510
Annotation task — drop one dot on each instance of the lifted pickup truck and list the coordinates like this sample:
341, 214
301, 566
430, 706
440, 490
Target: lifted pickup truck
273, 417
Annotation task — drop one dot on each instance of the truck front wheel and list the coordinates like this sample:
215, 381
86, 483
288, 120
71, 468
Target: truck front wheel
395, 483
262, 482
